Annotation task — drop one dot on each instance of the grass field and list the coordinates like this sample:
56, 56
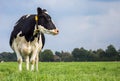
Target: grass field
63, 71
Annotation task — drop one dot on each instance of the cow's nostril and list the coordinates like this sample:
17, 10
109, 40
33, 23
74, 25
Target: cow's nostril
57, 31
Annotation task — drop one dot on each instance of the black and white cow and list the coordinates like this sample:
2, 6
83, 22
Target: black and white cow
27, 38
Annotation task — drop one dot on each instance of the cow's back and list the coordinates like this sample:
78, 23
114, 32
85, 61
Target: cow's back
24, 24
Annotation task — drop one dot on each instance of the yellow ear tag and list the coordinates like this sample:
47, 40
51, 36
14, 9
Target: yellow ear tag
36, 18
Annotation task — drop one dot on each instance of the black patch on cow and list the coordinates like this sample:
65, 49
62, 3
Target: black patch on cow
45, 20
43, 39
26, 26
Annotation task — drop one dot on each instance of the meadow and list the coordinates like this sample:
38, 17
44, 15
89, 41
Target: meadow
62, 71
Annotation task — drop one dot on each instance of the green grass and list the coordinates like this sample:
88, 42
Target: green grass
62, 71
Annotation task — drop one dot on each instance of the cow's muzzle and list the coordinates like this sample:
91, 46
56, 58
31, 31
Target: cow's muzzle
55, 31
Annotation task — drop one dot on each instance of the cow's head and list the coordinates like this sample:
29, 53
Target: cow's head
44, 22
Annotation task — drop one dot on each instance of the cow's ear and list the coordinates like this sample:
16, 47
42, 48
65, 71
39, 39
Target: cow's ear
39, 11
44, 10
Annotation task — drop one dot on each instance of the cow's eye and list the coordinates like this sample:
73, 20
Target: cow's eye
49, 19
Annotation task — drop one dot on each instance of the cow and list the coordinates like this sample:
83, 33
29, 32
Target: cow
27, 38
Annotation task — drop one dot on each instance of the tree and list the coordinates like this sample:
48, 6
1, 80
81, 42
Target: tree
47, 55
75, 54
92, 56
118, 56
66, 56
111, 52
7, 56
101, 54
80, 54
83, 54
58, 53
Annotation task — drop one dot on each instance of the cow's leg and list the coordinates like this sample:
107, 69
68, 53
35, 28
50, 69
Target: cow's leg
36, 61
32, 63
27, 62
32, 60
19, 59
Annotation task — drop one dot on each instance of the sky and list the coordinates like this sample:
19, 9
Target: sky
91, 24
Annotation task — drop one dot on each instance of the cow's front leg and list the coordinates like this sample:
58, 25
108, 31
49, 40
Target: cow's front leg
32, 64
32, 60
36, 61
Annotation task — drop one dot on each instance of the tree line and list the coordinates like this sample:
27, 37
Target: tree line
78, 54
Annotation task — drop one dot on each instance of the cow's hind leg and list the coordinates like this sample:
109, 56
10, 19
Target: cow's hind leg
19, 59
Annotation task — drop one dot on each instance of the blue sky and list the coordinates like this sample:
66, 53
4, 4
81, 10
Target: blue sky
91, 24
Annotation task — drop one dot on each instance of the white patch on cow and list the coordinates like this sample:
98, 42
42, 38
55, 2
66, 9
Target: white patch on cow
24, 48
44, 30
46, 12
27, 47
27, 15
